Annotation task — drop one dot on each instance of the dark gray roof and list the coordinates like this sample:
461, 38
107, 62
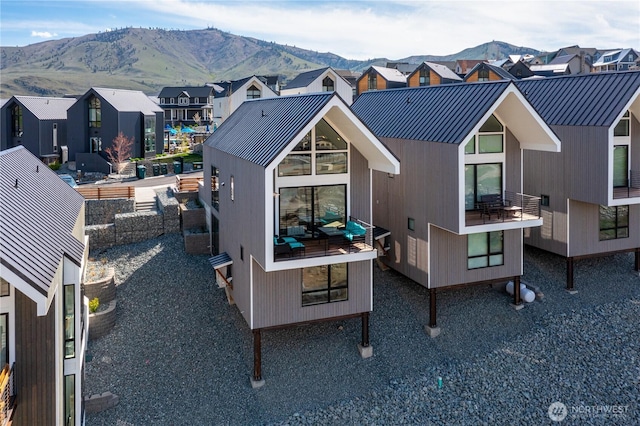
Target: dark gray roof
442, 113
37, 219
595, 99
230, 87
504, 74
192, 91
261, 128
128, 100
46, 108
305, 78
220, 260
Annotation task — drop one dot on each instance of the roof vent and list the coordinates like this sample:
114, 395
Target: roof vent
263, 114
16, 184
37, 169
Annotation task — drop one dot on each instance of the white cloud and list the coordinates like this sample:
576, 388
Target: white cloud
43, 34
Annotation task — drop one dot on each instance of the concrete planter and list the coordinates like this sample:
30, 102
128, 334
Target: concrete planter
103, 288
101, 323
196, 241
192, 218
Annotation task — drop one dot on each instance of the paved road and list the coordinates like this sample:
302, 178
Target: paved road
153, 181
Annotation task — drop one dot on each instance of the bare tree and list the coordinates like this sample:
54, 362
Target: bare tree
120, 150
197, 118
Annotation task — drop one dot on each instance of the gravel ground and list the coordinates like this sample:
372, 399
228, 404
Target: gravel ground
180, 355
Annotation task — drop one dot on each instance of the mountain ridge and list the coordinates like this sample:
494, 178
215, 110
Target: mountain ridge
149, 59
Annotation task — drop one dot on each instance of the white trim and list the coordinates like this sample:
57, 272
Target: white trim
251, 292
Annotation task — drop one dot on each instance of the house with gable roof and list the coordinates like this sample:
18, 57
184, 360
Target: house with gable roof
101, 114
430, 74
287, 194
487, 72
181, 104
229, 95
591, 191
380, 78
616, 60
320, 80
457, 212
43, 312
37, 123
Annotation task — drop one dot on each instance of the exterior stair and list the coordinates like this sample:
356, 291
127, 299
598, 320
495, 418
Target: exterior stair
145, 206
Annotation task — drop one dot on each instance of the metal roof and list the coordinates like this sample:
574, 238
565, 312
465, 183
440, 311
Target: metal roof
306, 78
192, 91
220, 260
38, 213
46, 108
442, 113
128, 100
613, 57
390, 74
501, 72
595, 99
442, 71
261, 128
230, 87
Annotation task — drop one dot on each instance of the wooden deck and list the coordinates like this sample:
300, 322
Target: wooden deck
474, 218
324, 247
625, 193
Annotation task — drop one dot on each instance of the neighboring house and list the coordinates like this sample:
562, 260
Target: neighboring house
320, 80
380, 78
505, 63
229, 95
520, 70
404, 67
101, 114
39, 124
561, 65
464, 66
43, 313
457, 212
431, 74
616, 60
591, 191
181, 104
272, 81
487, 72
282, 177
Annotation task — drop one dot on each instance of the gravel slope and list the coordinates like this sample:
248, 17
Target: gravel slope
180, 355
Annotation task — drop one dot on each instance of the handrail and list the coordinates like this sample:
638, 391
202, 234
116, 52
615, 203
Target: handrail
97, 192
7, 393
529, 204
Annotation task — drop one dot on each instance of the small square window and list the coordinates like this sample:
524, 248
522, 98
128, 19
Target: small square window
544, 200
411, 224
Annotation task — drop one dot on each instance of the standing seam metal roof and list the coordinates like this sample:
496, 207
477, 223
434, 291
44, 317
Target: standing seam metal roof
129, 100
260, 129
595, 99
443, 113
46, 108
37, 219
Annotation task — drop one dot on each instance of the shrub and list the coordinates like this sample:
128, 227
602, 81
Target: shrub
93, 305
54, 166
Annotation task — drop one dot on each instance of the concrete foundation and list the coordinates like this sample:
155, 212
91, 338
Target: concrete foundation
572, 291
365, 351
517, 307
257, 384
432, 331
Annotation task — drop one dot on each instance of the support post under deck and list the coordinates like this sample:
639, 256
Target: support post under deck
257, 380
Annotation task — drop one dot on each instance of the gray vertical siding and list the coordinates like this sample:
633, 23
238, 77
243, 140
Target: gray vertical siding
635, 144
584, 228
360, 186
280, 296
35, 374
513, 165
449, 259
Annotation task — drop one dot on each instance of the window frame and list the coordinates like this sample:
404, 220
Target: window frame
95, 112
619, 228
483, 74
329, 287
251, 92
69, 319
489, 253
17, 123
326, 87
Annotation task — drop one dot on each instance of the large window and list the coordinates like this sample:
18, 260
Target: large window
95, 112
328, 85
372, 81
481, 179
328, 155
614, 222
485, 249
253, 93
69, 321
4, 287
149, 134
424, 77
483, 74
70, 399
325, 284
621, 166
16, 121
304, 208
622, 128
4, 339
215, 187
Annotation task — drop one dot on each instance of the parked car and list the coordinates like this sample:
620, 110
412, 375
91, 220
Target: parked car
70, 180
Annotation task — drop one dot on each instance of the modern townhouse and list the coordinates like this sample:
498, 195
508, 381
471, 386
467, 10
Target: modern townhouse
181, 104
431, 74
458, 210
229, 95
101, 114
37, 123
320, 80
591, 191
288, 195
43, 313
380, 78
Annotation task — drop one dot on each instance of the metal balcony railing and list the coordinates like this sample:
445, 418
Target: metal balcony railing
7, 393
632, 189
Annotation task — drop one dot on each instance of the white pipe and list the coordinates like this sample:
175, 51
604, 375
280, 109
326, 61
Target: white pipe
525, 294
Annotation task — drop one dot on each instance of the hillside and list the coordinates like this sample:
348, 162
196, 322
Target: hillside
149, 59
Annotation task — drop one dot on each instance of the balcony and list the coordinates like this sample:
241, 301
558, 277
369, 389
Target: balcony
631, 190
511, 207
325, 241
7, 394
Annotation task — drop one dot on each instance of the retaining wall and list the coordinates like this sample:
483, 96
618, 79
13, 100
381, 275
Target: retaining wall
104, 289
102, 212
101, 323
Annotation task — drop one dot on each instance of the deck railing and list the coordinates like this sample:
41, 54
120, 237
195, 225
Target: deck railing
187, 183
7, 393
529, 204
97, 192
632, 189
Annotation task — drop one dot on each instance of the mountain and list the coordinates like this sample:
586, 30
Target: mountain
149, 59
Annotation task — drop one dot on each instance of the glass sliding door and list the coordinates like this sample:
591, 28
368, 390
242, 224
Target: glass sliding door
304, 208
481, 179
620, 166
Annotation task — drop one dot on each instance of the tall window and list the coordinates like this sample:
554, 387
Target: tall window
424, 77
4, 339
622, 128
253, 93
483, 74
150, 134
183, 100
215, 187
70, 399
485, 249
304, 208
328, 155
372, 81
325, 284
621, 166
69, 321
95, 112
16, 121
327, 85
614, 222
4, 288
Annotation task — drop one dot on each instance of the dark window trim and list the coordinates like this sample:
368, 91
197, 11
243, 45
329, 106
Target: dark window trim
411, 224
70, 354
489, 252
328, 288
617, 227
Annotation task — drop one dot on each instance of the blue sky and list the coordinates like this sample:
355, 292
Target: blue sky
352, 29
